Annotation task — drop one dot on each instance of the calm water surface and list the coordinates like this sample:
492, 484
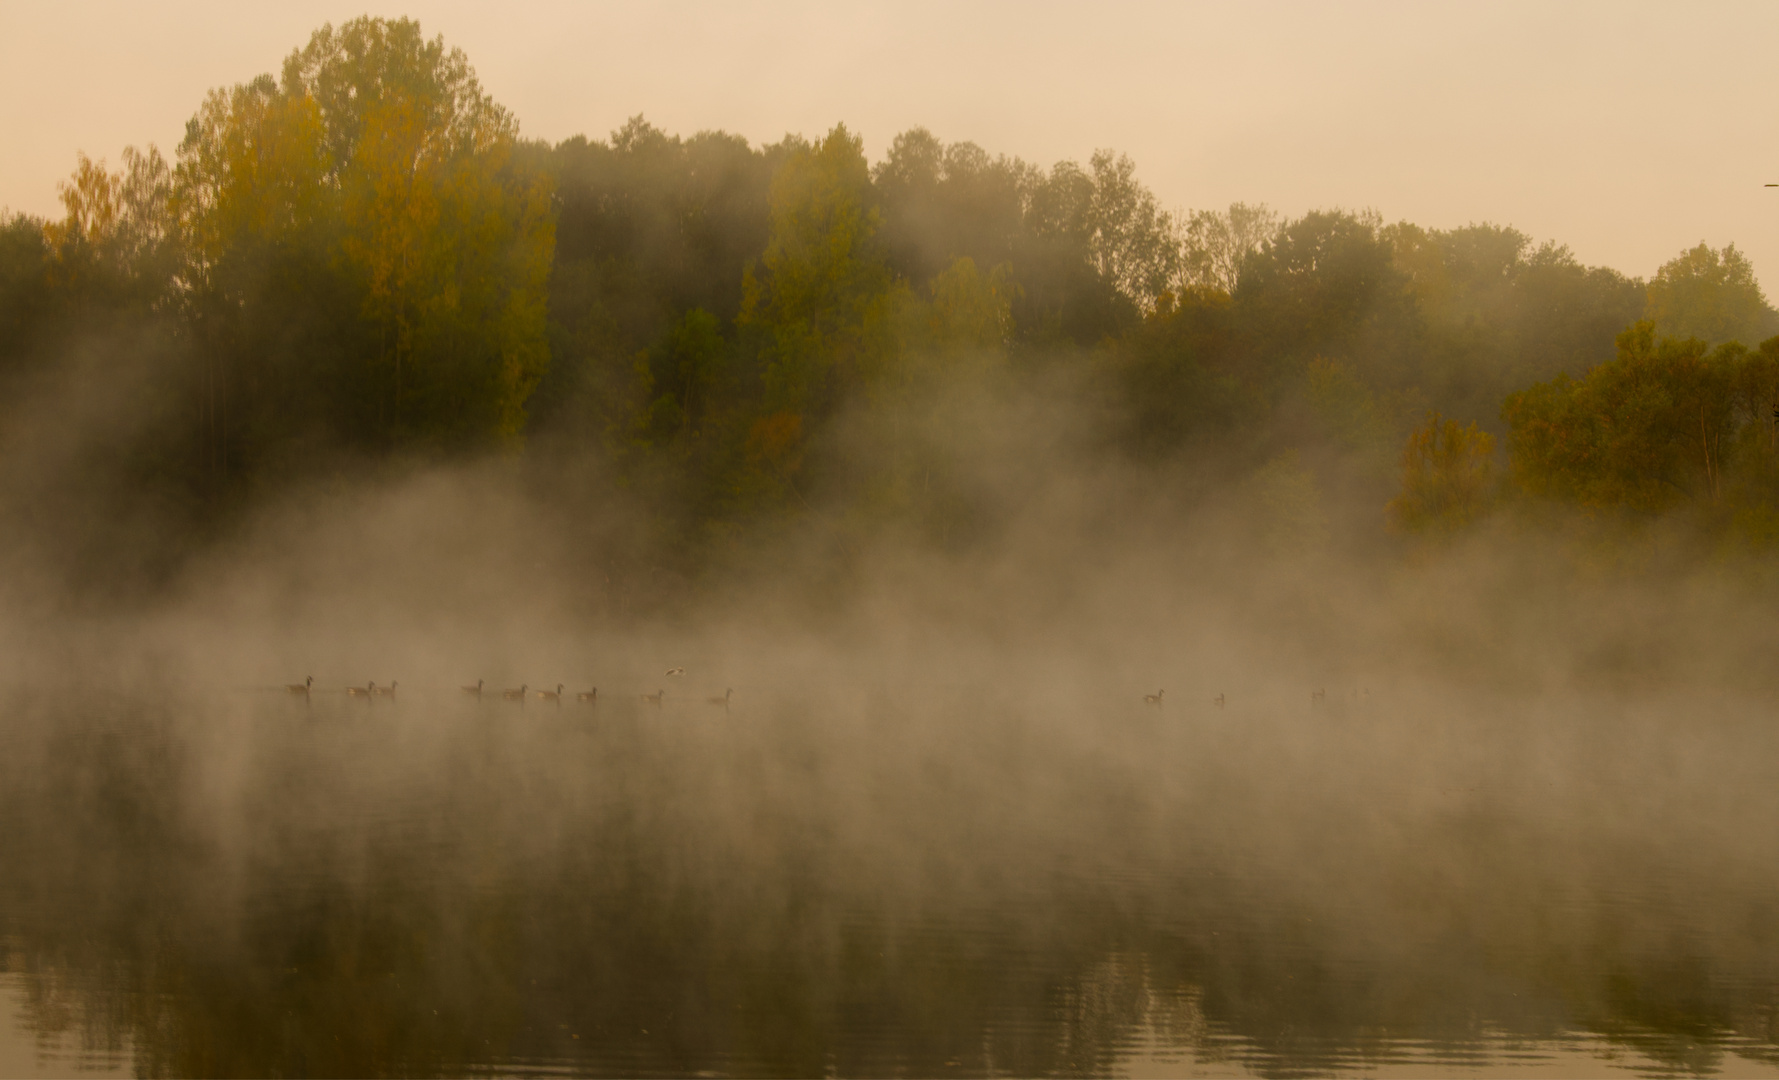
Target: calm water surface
241, 883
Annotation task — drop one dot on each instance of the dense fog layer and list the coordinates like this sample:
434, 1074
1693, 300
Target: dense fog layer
935, 829
1508, 783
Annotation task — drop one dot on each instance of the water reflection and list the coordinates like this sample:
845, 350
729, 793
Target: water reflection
243, 885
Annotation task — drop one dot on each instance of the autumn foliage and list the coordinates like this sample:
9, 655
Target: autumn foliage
1448, 477
358, 262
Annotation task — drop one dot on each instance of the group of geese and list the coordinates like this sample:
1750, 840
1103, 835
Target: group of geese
520, 693
1155, 699
1318, 698
523, 691
369, 689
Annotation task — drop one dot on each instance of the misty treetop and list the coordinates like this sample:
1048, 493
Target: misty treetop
361, 260
376, 180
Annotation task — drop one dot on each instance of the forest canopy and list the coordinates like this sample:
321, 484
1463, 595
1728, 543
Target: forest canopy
360, 264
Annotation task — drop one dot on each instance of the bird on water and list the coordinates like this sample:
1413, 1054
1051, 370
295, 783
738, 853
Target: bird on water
302, 687
475, 690
1218, 701
588, 695
551, 695
384, 691
1153, 699
654, 698
361, 691
724, 700
516, 695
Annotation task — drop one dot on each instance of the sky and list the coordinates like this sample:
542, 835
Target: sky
1628, 131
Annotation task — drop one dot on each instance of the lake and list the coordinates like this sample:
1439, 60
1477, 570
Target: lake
879, 881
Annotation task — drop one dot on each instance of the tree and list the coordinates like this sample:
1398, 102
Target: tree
944, 202
1217, 243
1127, 240
26, 297
823, 283
1642, 434
1564, 316
1447, 477
453, 244
971, 310
375, 167
1753, 461
1755, 384
1710, 295
1347, 408
124, 218
252, 177
819, 308
1497, 312
1326, 285
1089, 249
651, 228
1132, 242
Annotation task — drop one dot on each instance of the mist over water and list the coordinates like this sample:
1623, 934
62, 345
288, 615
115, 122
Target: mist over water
1461, 814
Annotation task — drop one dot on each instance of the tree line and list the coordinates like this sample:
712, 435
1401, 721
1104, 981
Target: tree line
361, 261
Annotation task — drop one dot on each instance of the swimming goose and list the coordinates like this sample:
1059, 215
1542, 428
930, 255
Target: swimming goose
588, 695
361, 691
302, 687
1218, 701
384, 691
476, 689
723, 701
1153, 699
550, 695
654, 698
516, 695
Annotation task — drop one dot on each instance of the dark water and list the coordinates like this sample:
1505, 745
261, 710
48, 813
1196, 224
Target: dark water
876, 884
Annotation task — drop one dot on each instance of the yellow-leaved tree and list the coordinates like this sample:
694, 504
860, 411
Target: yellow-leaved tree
1448, 477
375, 174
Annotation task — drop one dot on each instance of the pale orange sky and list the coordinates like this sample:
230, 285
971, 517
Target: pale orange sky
1627, 131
